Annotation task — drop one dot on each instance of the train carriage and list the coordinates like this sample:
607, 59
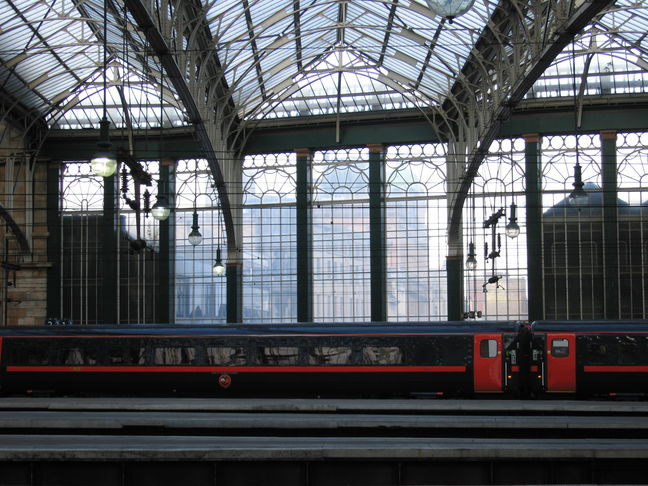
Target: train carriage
591, 357
456, 358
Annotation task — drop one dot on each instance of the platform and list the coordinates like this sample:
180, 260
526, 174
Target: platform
168, 441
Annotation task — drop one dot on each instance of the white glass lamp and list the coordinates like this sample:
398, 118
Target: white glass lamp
104, 163
195, 238
450, 8
218, 268
471, 261
512, 228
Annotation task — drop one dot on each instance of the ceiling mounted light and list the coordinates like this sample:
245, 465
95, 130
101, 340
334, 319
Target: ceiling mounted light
450, 9
512, 228
471, 261
218, 268
104, 163
161, 209
578, 197
195, 238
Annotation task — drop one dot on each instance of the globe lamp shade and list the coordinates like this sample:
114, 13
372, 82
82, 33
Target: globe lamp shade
104, 164
450, 8
512, 229
161, 209
195, 238
471, 262
218, 268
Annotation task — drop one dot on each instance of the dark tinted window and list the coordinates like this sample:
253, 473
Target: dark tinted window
633, 349
23, 352
488, 348
559, 348
329, 355
277, 355
226, 355
382, 355
76, 356
174, 355
128, 354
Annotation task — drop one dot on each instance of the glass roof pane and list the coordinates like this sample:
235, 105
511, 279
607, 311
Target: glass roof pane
52, 58
389, 75
127, 96
324, 57
612, 51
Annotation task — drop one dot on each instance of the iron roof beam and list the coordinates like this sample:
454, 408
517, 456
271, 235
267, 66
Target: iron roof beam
198, 117
297, 23
511, 82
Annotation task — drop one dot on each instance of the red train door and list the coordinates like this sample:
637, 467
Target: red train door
487, 370
561, 362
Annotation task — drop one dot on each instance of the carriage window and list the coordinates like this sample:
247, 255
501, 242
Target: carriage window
175, 355
27, 353
125, 355
77, 356
226, 355
329, 355
278, 355
559, 348
382, 355
488, 348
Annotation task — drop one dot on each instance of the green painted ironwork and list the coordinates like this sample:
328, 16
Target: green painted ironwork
234, 274
378, 239
108, 308
165, 312
610, 223
454, 269
304, 237
534, 225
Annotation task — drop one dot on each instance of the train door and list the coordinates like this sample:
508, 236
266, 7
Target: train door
487, 369
561, 362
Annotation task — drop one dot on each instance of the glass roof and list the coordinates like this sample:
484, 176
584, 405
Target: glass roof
53, 64
610, 56
285, 58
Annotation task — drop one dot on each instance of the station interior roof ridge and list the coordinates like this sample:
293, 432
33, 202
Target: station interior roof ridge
286, 60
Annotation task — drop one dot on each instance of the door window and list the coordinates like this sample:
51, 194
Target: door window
488, 348
559, 348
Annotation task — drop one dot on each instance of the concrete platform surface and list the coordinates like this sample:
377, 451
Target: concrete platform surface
215, 421
325, 405
185, 448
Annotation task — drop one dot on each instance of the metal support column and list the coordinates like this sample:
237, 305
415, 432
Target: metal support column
534, 225
165, 311
108, 302
304, 242
610, 224
454, 270
377, 233
234, 274
455, 164
54, 240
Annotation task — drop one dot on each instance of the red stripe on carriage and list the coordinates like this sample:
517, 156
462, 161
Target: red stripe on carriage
615, 369
239, 369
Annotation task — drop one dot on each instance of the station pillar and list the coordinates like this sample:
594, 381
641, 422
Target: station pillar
304, 236
610, 223
534, 225
377, 233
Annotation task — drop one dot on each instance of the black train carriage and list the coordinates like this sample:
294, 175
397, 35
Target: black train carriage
343, 359
591, 357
